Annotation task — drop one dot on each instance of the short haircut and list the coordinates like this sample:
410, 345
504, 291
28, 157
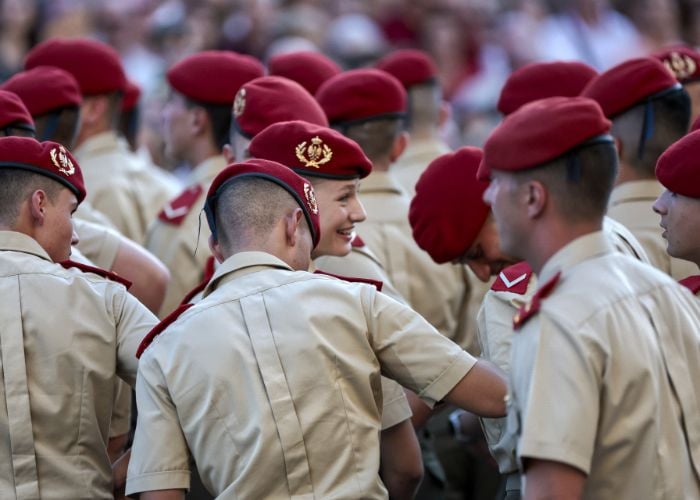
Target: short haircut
424, 102
375, 137
670, 115
60, 125
219, 117
579, 182
16, 185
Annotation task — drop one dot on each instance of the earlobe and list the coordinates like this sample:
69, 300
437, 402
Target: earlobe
537, 199
399, 146
216, 249
37, 206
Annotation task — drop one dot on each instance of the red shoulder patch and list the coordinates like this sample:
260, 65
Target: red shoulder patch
513, 279
209, 268
377, 284
158, 329
67, 264
175, 211
692, 283
357, 241
531, 308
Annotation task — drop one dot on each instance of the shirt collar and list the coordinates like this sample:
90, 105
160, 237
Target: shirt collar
380, 181
19, 242
240, 264
205, 172
636, 191
582, 248
104, 141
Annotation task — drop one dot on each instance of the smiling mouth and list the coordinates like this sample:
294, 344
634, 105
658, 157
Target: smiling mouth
349, 232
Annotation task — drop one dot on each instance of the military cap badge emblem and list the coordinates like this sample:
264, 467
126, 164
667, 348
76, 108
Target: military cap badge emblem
239, 103
59, 158
315, 155
681, 65
310, 198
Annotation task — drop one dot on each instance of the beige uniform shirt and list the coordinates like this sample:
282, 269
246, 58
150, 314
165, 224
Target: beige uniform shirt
64, 336
273, 383
604, 376
414, 160
631, 204
179, 236
440, 293
98, 243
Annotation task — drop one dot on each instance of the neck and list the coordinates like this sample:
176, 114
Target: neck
550, 238
627, 173
200, 152
88, 132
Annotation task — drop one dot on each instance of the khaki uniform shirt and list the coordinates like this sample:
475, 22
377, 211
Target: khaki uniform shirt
414, 160
98, 243
179, 236
440, 293
604, 376
631, 204
273, 383
64, 336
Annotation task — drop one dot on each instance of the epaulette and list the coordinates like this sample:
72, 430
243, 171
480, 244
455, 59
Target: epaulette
209, 269
513, 279
175, 211
67, 264
692, 283
357, 241
158, 329
377, 284
531, 308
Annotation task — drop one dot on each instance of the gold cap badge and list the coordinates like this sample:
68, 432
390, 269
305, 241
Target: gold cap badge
681, 65
239, 103
310, 198
59, 157
316, 154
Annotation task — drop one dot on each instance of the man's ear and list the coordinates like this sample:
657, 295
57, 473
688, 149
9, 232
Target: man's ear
93, 109
37, 206
198, 120
293, 221
399, 146
228, 153
215, 248
537, 199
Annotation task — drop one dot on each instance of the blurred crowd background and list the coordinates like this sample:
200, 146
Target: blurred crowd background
476, 43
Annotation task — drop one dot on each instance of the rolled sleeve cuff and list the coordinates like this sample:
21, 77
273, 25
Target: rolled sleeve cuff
448, 379
555, 452
166, 480
394, 412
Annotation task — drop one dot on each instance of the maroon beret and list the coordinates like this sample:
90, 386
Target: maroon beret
361, 94
544, 79
309, 69
132, 92
272, 99
213, 76
96, 66
540, 132
628, 84
682, 61
678, 168
44, 158
297, 186
13, 111
311, 150
44, 89
448, 210
409, 66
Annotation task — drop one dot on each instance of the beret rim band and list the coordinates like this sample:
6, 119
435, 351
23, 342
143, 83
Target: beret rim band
320, 175
401, 115
677, 87
13, 165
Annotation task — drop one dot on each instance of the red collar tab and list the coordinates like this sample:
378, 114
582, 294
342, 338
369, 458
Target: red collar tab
67, 264
377, 284
692, 283
175, 211
531, 308
209, 269
158, 329
357, 241
513, 279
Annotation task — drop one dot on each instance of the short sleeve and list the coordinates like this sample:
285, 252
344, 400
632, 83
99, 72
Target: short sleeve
133, 322
98, 243
396, 408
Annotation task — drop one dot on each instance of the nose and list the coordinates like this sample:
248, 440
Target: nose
75, 239
358, 213
659, 205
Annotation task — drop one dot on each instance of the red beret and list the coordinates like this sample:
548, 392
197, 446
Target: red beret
543, 79
628, 84
362, 94
311, 150
409, 66
448, 210
682, 61
44, 158
213, 76
272, 99
132, 92
297, 186
95, 65
13, 110
44, 89
678, 168
308, 69
540, 132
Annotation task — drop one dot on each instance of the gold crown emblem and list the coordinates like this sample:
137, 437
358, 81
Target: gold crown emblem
315, 155
59, 157
239, 103
310, 198
681, 65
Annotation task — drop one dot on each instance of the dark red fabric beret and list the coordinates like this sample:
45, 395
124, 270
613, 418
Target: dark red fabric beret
132, 92
361, 94
543, 79
96, 66
44, 89
627, 84
13, 110
448, 210
44, 158
678, 168
409, 66
540, 132
297, 186
682, 61
308, 69
272, 99
311, 150
213, 76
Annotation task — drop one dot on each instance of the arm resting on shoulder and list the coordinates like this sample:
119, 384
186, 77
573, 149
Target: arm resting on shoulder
549, 480
148, 275
401, 467
481, 391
